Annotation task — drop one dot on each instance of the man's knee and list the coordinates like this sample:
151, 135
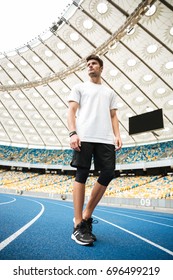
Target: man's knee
82, 175
106, 176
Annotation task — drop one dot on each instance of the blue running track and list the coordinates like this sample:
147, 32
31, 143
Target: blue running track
40, 229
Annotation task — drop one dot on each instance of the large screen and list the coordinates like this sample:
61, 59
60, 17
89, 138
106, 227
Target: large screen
146, 122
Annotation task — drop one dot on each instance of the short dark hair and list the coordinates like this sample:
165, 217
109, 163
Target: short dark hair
95, 57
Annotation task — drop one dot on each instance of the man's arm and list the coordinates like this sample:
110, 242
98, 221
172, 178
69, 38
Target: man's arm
71, 121
115, 125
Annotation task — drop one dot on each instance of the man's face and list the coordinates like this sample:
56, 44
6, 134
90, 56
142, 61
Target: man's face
94, 68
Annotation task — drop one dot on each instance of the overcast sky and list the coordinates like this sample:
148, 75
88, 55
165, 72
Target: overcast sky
23, 20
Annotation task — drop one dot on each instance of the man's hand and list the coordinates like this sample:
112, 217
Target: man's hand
118, 144
75, 143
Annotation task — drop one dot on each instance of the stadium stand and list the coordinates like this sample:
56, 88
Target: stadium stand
158, 186
145, 153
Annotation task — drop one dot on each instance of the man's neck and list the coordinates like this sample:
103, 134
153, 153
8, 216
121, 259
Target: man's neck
95, 80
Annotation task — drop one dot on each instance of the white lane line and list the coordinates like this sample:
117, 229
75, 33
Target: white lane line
144, 220
1, 203
60, 204
138, 236
130, 232
12, 237
146, 214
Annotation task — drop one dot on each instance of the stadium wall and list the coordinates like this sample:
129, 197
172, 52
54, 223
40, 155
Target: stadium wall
137, 165
145, 203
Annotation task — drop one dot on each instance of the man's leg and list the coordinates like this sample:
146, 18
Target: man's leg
81, 233
79, 193
96, 194
98, 191
78, 201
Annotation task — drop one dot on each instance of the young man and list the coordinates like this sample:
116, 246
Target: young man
94, 132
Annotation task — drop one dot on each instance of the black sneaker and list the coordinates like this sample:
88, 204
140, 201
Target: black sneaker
81, 234
89, 222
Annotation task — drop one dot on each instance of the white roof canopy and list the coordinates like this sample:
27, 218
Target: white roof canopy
135, 40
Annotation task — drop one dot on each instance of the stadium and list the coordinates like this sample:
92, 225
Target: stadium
135, 40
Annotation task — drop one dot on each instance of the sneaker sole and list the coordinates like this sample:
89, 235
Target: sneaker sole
80, 242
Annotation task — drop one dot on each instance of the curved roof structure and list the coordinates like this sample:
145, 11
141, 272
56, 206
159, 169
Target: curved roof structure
135, 40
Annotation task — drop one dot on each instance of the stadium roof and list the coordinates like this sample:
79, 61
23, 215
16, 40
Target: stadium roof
135, 40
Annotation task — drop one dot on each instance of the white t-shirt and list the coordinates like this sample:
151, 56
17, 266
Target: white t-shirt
93, 119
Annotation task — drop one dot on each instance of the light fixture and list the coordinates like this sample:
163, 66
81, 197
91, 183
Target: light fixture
2, 134
36, 116
130, 30
47, 131
31, 130
11, 122
52, 116
74, 36
139, 99
113, 45
14, 106
26, 123
15, 129
113, 72
5, 114
65, 90
18, 136
42, 124
59, 105
10, 83
170, 102
36, 58
52, 139
171, 31
147, 77
10, 65
35, 94
88, 24
48, 53
128, 115
149, 109
127, 86
6, 95
161, 90
44, 106
20, 116
102, 8
152, 48
21, 95
23, 62
131, 62
151, 11
61, 46
50, 93
169, 65
29, 107
35, 138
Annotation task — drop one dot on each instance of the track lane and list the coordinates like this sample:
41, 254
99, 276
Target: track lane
118, 237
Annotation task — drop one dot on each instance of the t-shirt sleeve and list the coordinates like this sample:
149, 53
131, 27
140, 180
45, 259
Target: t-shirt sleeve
74, 94
113, 103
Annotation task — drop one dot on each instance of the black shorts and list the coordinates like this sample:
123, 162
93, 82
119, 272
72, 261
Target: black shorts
103, 156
